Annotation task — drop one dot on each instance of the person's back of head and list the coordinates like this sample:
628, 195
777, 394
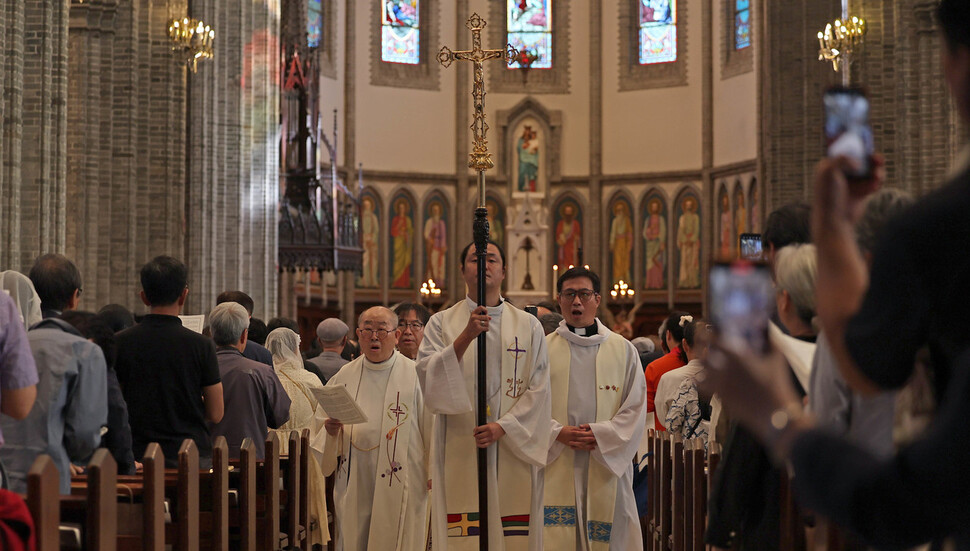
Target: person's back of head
117, 317
331, 333
550, 321
276, 323
796, 270
788, 224
97, 329
881, 206
238, 297
228, 321
163, 281
57, 281
284, 344
257, 331
22, 291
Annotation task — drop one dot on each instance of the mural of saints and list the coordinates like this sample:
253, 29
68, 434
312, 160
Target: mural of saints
755, 212
725, 235
496, 221
655, 238
621, 240
402, 239
689, 244
435, 242
370, 231
569, 235
740, 213
527, 149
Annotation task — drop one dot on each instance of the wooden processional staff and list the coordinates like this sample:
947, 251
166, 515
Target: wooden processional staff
481, 160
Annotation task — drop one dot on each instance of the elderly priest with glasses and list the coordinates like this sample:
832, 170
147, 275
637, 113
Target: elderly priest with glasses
598, 413
381, 489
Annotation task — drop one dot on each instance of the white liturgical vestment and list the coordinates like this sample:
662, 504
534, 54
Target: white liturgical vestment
620, 387
381, 486
517, 391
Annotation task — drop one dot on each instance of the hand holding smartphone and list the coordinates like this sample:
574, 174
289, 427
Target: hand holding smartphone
847, 129
742, 298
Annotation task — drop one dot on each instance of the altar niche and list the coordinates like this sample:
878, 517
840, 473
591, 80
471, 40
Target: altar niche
530, 148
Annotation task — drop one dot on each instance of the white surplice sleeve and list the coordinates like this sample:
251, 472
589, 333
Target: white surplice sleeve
439, 372
527, 423
555, 446
617, 440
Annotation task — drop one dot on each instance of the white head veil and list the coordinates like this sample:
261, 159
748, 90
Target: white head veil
284, 344
22, 291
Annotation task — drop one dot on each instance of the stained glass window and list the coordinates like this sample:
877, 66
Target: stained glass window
658, 31
530, 32
314, 23
742, 24
400, 37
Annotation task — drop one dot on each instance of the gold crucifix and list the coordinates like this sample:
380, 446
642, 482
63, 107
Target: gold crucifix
479, 158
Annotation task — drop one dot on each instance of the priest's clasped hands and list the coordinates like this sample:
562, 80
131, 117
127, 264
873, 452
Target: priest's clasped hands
578, 438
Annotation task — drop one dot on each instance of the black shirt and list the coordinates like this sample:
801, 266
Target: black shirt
919, 291
162, 368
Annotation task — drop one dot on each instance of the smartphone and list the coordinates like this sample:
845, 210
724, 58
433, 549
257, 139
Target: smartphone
741, 300
750, 246
847, 130
534, 310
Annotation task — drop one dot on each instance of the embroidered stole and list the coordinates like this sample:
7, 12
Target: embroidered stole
461, 465
559, 499
389, 506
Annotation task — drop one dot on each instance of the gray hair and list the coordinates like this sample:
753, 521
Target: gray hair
388, 313
227, 321
881, 206
550, 321
662, 330
796, 269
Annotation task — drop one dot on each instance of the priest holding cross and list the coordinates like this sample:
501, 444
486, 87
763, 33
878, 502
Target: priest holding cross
492, 400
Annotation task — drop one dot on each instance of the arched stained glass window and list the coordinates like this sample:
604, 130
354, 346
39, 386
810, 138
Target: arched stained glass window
658, 31
742, 24
400, 35
314, 23
529, 24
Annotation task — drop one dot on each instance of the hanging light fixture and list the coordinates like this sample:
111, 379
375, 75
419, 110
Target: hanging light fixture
193, 39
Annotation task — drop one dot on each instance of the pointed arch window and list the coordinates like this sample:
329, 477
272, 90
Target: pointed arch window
742, 24
314, 23
400, 31
657, 31
529, 27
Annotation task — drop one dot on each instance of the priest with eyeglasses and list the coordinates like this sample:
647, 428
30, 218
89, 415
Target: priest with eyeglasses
598, 415
381, 486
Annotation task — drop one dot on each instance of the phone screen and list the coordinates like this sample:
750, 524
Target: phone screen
742, 298
847, 130
750, 247
534, 310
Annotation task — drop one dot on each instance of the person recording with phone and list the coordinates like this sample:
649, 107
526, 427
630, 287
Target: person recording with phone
876, 320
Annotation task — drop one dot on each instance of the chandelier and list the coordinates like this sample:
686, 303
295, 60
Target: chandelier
193, 39
839, 38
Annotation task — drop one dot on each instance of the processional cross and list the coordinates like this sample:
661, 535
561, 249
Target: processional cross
481, 160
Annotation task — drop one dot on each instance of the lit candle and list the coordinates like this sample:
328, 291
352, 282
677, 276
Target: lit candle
555, 278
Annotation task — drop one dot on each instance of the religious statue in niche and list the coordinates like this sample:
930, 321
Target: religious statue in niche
496, 221
655, 239
689, 244
621, 240
370, 229
740, 213
528, 157
725, 235
569, 234
435, 242
402, 238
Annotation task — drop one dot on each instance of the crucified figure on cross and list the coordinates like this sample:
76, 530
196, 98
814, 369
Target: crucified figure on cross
481, 160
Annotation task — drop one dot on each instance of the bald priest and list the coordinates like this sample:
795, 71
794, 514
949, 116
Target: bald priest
381, 487
598, 410
517, 432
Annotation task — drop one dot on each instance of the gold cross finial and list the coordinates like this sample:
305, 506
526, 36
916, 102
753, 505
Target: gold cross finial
479, 158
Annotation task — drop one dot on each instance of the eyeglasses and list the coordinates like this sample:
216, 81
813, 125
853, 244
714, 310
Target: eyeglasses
412, 325
380, 333
584, 295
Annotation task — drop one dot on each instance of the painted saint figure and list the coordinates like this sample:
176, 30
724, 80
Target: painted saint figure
568, 238
370, 230
621, 241
740, 214
435, 244
527, 148
496, 224
655, 237
689, 244
402, 234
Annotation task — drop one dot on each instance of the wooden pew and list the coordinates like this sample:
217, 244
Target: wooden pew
697, 496
676, 537
792, 529
305, 520
292, 474
214, 500
97, 510
665, 472
268, 489
153, 515
43, 500
652, 491
244, 517
187, 507
689, 447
